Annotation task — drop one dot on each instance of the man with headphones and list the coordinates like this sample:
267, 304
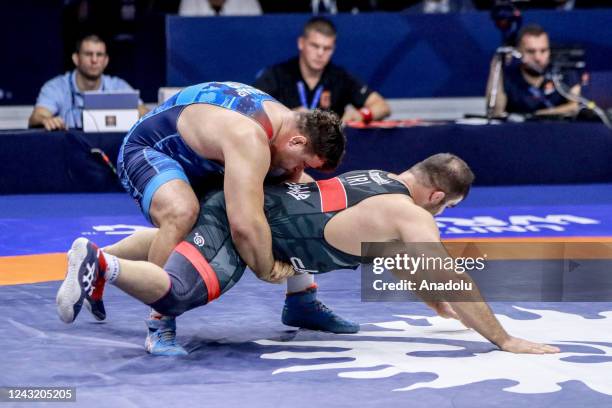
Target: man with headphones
60, 101
526, 87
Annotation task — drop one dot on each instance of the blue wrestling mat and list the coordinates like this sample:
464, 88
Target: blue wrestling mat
242, 356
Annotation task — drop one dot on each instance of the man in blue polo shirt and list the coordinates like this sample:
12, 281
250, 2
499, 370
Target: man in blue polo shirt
60, 101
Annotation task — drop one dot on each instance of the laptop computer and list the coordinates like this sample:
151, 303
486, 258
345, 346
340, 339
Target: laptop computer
110, 111
126, 99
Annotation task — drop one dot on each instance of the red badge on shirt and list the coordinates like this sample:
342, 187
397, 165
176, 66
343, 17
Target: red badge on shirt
325, 102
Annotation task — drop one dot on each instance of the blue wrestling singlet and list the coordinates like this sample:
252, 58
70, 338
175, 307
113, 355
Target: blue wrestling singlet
153, 152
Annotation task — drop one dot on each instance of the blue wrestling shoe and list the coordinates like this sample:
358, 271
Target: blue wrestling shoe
302, 309
161, 338
79, 284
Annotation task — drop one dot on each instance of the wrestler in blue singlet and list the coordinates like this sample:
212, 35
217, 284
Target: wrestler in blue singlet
153, 152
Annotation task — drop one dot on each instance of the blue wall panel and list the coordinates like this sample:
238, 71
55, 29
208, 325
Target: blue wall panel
30, 47
401, 55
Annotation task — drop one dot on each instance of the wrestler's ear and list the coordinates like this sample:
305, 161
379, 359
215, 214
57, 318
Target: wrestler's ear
297, 140
437, 197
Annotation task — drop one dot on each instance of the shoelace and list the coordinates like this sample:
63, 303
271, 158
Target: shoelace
320, 307
168, 337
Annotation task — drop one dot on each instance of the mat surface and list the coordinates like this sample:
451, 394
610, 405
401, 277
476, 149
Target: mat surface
241, 354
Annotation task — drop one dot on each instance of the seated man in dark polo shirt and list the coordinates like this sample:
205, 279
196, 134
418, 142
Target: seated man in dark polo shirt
525, 87
310, 81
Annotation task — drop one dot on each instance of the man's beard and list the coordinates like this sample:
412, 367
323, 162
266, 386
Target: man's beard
533, 71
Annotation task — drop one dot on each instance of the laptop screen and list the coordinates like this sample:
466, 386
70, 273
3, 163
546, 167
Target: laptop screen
127, 99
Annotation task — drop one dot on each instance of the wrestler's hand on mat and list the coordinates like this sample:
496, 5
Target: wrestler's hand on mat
516, 345
280, 271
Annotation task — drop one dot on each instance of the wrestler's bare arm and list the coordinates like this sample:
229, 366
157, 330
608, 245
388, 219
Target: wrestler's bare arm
419, 226
247, 161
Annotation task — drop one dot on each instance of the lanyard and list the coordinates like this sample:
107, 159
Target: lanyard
75, 110
315, 99
73, 105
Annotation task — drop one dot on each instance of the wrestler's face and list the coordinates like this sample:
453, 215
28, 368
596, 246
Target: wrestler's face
91, 60
294, 157
316, 50
536, 51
